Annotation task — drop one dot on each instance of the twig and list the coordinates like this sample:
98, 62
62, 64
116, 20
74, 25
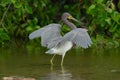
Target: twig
4, 14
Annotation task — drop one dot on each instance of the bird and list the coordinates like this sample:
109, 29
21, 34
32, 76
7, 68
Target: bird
56, 43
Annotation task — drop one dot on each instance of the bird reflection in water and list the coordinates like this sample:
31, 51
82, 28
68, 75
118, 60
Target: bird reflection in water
59, 74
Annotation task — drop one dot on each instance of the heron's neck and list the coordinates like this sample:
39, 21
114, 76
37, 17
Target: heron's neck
68, 23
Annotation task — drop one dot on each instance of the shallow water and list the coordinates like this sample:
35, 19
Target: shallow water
90, 64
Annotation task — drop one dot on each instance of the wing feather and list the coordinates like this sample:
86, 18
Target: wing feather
79, 37
48, 34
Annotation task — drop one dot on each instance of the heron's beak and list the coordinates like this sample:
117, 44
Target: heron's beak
72, 18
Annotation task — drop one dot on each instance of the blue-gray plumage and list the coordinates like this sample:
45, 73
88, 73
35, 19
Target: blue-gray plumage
58, 44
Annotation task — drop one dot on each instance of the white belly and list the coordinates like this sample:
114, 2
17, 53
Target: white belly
61, 49
64, 48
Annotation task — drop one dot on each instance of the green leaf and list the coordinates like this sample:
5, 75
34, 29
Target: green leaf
13, 1
4, 36
18, 5
28, 9
91, 8
116, 17
113, 29
118, 4
98, 1
108, 20
19, 12
112, 6
5, 2
109, 10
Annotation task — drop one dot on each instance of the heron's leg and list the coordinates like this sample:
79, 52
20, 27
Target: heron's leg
51, 60
62, 59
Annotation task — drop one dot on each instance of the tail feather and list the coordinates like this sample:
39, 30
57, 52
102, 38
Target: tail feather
50, 51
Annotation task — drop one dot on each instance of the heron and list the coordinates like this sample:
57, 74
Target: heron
56, 43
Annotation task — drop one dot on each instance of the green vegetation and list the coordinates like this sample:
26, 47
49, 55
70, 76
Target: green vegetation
20, 17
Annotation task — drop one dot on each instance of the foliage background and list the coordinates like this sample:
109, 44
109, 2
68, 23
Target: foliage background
18, 18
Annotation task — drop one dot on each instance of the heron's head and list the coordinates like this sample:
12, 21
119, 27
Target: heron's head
67, 16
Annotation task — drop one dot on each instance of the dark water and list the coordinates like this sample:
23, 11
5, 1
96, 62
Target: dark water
90, 64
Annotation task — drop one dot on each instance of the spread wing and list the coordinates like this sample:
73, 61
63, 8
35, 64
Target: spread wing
49, 35
79, 37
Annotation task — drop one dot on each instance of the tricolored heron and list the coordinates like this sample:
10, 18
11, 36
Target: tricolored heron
58, 44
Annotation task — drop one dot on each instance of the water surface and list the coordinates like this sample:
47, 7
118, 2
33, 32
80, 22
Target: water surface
90, 64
